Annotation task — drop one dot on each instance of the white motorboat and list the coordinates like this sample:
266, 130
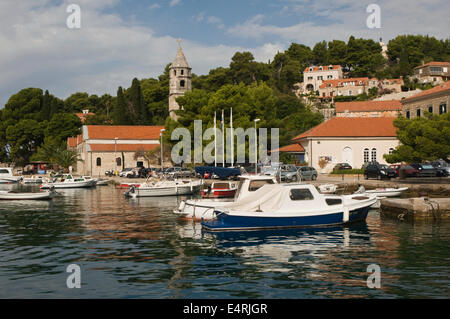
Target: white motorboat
69, 181
290, 206
35, 179
220, 189
164, 188
204, 208
102, 182
91, 179
11, 195
7, 177
381, 193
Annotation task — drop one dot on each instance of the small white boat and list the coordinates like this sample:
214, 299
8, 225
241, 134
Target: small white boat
102, 182
7, 177
387, 192
35, 179
11, 195
69, 181
164, 188
290, 206
92, 180
204, 208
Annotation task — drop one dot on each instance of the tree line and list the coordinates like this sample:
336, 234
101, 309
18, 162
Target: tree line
33, 118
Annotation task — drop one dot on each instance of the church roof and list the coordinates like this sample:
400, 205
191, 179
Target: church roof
180, 60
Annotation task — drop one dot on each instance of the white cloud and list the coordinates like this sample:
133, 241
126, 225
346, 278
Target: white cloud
38, 50
154, 6
174, 2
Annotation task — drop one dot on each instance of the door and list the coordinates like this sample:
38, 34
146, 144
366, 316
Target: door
347, 156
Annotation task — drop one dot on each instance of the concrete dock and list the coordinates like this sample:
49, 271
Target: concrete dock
416, 209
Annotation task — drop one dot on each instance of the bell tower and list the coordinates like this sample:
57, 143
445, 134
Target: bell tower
180, 80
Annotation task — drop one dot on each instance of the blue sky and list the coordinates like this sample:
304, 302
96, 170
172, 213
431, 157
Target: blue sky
123, 39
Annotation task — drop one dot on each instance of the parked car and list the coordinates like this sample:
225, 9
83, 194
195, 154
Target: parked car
442, 167
340, 166
425, 170
289, 173
128, 172
379, 171
184, 172
308, 173
408, 171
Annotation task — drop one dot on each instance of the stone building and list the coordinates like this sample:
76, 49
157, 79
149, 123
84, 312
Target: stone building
180, 80
435, 100
368, 108
313, 76
432, 72
102, 148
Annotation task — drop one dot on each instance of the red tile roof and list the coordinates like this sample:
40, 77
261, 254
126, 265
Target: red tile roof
124, 132
72, 142
440, 88
352, 127
338, 82
122, 147
324, 68
290, 148
433, 63
368, 106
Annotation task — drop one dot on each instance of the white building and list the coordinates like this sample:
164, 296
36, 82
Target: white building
313, 76
352, 140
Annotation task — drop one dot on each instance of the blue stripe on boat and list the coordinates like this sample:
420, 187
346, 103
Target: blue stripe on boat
233, 222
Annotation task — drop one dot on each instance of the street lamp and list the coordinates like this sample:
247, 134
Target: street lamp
115, 154
256, 147
160, 134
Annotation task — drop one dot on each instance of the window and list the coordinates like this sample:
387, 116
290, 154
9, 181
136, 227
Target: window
182, 72
329, 77
118, 161
300, 194
435, 69
333, 201
174, 72
4, 171
442, 108
310, 77
320, 77
350, 92
408, 115
99, 161
182, 83
391, 150
255, 185
366, 155
374, 155
418, 112
430, 109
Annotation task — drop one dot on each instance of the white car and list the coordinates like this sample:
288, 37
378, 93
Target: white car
127, 172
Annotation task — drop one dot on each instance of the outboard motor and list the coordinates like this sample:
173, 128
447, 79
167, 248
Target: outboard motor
130, 191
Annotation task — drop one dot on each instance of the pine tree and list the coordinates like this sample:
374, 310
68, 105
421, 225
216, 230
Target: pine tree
120, 113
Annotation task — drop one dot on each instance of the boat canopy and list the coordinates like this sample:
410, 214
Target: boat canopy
222, 172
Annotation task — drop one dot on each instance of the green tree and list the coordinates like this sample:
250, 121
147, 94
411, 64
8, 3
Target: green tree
63, 125
421, 138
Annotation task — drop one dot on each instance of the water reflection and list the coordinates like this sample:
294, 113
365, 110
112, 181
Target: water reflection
139, 248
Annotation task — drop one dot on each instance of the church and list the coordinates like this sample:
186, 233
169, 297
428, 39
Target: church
180, 80
113, 147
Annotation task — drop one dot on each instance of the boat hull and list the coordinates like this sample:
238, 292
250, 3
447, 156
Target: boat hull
84, 184
227, 222
26, 196
162, 191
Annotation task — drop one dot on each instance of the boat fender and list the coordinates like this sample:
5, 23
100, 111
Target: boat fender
346, 215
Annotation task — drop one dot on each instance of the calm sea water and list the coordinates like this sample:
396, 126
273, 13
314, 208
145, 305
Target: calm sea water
140, 249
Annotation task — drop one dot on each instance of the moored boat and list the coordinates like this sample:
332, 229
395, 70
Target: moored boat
7, 177
12, 195
69, 181
204, 208
33, 180
290, 206
164, 188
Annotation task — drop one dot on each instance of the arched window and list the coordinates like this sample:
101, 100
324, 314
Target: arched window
374, 155
182, 83
366, 155
99, 161
408, 115
182, 72
118, 161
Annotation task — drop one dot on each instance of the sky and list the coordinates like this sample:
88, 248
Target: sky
119, 40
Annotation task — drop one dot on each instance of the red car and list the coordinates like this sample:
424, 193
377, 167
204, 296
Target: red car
408, 170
